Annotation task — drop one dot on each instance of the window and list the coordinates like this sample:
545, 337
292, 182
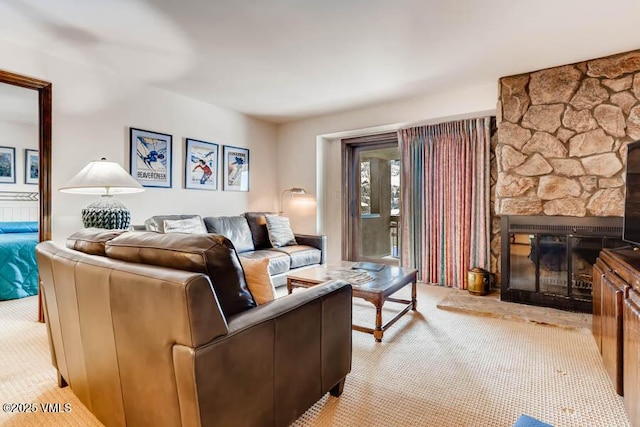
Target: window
395, 187
365, 188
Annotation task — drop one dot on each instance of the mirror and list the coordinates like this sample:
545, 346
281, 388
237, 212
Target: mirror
44, 146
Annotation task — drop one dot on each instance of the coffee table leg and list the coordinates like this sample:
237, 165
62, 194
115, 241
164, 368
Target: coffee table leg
378, 332
414, 296
289, 287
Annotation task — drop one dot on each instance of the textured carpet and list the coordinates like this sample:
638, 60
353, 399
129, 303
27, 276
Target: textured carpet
433, 368
26, 374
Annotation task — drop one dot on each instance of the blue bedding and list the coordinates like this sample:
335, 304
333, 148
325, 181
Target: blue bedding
18, 268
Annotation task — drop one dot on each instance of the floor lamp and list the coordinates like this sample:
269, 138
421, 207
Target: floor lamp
294, 190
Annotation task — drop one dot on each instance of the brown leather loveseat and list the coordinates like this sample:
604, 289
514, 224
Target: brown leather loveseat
156, 329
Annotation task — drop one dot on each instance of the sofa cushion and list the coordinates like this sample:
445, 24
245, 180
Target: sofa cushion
92, 240
258, 225
210, 254
301, 255
234, 228
279, 261
156, 222
189, 226
279, 230
256, 272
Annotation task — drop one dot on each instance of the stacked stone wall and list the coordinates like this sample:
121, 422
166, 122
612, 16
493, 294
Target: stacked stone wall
562, 135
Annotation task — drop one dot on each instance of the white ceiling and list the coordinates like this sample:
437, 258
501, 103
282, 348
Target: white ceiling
282, 60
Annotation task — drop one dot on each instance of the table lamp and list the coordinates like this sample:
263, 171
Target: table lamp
105, 178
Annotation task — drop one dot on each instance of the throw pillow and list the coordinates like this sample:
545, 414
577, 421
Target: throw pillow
279, 229
256, 272
190, 226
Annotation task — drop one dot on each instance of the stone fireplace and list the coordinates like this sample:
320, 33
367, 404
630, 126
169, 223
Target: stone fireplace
561, 145
550, 263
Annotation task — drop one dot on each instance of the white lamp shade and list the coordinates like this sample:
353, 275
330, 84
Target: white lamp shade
102, 177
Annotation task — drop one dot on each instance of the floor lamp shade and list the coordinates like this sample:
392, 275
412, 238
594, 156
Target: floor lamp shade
106, 179
294, 190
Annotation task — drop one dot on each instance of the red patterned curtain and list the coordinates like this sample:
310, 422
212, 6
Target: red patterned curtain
445, 199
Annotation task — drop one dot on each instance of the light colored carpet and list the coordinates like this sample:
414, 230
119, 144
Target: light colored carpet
26, 373
433, 368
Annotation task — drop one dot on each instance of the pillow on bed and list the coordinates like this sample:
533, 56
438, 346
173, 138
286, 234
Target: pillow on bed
19, 227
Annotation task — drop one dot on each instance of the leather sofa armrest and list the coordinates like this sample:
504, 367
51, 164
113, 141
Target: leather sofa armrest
283, 305
289, 352
318, 241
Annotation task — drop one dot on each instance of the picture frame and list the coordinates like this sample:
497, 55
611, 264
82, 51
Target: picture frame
31, 166
7, 165
151, 157
201, 161
235, 168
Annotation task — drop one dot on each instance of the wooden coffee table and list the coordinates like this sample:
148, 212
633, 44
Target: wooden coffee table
376, 288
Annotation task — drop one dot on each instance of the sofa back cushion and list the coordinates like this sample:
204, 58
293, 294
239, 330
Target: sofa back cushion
258, 225
92, 240
210, 254
234, 228
156, 222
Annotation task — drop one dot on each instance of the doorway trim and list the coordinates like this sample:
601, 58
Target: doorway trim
44, 147
350, 192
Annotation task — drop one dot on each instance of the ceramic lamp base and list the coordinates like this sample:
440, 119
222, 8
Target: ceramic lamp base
106, 213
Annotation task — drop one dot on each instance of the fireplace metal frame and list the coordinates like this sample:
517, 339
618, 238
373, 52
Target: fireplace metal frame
586, 227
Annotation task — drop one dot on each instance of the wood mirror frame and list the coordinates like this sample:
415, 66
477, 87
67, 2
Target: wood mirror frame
44, 147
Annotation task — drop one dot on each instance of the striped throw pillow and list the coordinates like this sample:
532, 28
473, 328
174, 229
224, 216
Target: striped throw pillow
279, 229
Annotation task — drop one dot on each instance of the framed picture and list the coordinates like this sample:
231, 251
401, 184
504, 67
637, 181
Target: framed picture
236, 168
151, 158
7, 165
201, 165
31, 166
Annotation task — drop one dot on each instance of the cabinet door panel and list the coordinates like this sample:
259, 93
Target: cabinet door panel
611, 328
596, 326
631, 371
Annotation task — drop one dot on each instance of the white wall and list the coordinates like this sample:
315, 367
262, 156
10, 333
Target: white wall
92, 113
309, 150
19, 136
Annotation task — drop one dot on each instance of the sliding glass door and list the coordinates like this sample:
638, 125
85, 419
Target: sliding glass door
373, 201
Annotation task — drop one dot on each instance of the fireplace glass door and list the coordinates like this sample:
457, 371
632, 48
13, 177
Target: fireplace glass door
522, 268
550, 263
538, 263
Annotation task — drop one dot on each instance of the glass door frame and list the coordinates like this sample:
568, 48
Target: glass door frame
351, 220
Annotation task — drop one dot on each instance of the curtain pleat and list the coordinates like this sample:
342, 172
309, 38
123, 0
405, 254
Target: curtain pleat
445, 199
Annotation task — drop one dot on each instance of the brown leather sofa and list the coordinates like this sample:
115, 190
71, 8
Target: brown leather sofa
154, 345
250, 237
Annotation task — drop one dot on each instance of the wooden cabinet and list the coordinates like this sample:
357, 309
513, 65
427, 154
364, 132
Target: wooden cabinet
613, 290
616, 322
596, 327
631, 371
